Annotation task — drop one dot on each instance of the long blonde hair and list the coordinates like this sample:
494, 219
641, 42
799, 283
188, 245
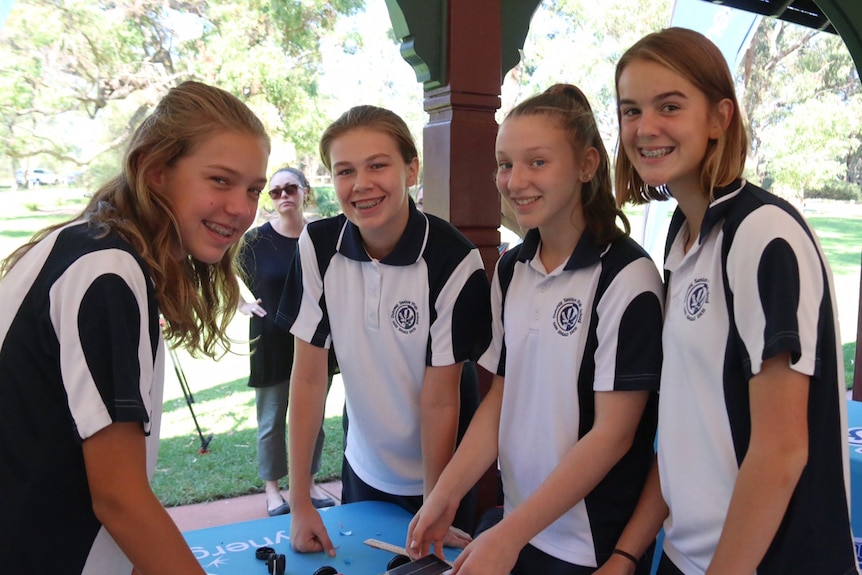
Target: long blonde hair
198, 300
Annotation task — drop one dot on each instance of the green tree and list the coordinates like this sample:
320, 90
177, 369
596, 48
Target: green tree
68, 61
363, 65
802, 96
579, 42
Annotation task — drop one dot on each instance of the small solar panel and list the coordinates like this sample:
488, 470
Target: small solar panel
428, 565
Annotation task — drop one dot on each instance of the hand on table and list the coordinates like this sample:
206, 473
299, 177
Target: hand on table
430, 528
488, 554
252, 308
457, 538
307, 532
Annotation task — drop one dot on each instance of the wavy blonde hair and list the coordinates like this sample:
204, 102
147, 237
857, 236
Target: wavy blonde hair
694, 57
197, 300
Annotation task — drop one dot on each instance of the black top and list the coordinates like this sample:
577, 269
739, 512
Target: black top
266, 259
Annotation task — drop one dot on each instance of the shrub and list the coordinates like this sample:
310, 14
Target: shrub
837, 190
327, 203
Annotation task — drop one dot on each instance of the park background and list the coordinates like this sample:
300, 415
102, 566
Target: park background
77, 76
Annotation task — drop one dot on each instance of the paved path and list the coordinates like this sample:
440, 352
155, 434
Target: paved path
234, 510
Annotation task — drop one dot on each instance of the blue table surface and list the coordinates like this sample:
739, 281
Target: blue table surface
229, 549
854, 424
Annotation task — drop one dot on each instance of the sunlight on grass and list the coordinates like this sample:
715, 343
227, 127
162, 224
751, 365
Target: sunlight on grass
225, 411
220, 409
841, 238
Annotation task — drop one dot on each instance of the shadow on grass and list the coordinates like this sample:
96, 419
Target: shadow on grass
204, 395
229, 468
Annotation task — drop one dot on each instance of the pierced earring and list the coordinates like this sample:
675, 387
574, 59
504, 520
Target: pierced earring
587, 177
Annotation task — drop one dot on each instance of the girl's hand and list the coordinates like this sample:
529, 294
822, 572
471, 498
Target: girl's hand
307, 532
457, 538
431, 525
252, 308
489, 554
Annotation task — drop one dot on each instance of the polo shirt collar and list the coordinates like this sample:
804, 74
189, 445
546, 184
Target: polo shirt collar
407, 251
718, 208
585, 254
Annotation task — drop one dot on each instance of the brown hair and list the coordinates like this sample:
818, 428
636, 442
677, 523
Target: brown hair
570, 107
197, 299
309, 199
694, 57
373, 118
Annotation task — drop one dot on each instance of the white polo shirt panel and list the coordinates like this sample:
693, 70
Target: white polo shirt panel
695, 311
754, 285
425, 304
558, 338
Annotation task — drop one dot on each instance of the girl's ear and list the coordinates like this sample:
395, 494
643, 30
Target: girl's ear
721, 118
413, 172
155, 178
589, 164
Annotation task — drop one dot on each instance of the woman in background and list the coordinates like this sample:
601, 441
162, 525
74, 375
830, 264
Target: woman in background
265, 260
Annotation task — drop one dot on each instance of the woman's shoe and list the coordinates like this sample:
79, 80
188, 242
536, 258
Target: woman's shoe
282, 509
323, 502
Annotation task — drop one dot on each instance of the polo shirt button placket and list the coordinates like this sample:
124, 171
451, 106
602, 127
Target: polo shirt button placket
371, 275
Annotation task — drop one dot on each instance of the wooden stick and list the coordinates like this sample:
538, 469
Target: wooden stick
377, 544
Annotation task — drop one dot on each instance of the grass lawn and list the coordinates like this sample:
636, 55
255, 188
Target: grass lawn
224, 405
226, 412
839, 228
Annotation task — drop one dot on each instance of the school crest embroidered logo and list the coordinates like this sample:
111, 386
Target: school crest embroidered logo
567, 316
405, 316
696, 299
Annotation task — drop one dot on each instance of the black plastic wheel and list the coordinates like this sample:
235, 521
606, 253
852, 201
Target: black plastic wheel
397, 561
276, 563
326, 570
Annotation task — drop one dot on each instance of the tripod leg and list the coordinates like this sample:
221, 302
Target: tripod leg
181, 376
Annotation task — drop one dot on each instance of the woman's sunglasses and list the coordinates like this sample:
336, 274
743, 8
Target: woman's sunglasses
276, 192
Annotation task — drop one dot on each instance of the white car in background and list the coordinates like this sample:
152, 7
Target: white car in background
37, 177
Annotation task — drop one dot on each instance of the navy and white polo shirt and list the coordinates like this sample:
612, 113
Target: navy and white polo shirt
591, 325
755, 284
81, 349
425, 304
